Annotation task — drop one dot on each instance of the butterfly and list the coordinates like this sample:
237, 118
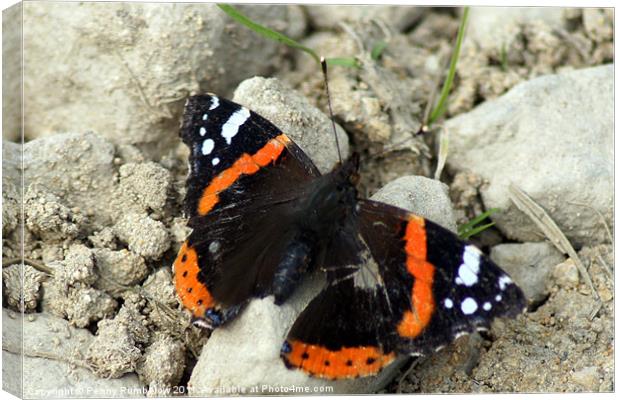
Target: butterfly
263, 218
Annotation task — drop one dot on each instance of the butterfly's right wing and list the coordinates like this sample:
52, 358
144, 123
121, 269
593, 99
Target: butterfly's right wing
419, 287
440, 287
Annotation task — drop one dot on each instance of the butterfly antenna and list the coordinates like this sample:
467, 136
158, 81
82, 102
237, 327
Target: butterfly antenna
329, 105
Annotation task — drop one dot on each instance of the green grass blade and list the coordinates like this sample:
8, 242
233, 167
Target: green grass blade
475, 231
447, 84
503, 55
377, 50
470, 226
350, 62
266, 32
479, 218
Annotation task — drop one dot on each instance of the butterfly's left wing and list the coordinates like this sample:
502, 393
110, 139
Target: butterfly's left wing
246, 177
430, 287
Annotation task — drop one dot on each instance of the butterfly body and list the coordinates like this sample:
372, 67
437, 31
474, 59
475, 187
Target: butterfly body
263, 218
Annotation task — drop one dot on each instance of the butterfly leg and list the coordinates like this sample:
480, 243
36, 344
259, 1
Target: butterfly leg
290, 270
214, 318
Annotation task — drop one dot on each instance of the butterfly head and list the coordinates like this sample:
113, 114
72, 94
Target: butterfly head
347, 173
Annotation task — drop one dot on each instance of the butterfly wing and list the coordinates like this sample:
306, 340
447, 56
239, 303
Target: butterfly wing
343, 333
244, 177
451, 287
430, 287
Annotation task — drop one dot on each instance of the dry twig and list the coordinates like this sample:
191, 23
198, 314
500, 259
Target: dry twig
37, 265
552, 232
611, 238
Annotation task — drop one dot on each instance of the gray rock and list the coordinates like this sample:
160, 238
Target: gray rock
162, 366
296, 117
159, 286
598, 23
119, 267
12, 73
53, 361
398, 17
377, 103
80, 305
425, 196
104, 239
68, 293
566, 274
11, 187
77, 168
143, 235
530, 265
587, 377
553, 137
77, 267
221, 365
143, 186
48, 218
494, 27
20, 286
137, 62
116, 350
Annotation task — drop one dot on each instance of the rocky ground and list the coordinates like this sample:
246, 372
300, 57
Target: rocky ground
104, 171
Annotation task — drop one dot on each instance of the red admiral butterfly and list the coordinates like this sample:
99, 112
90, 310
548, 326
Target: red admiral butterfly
263, 217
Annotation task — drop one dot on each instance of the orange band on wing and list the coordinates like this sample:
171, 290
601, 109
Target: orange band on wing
245, 165
193, 294
422, 300
348, 362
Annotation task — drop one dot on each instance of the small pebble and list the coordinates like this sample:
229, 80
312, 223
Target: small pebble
606, 294
587, 377
566, 274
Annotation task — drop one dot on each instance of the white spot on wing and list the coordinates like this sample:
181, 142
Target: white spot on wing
203, 131
215, 161
466, 276
207, 146
231, 127
486, 306
498, 297
471, 256
204, 117
469, 306
448, 303
504, 281
215, 104
214, 246
469, 269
